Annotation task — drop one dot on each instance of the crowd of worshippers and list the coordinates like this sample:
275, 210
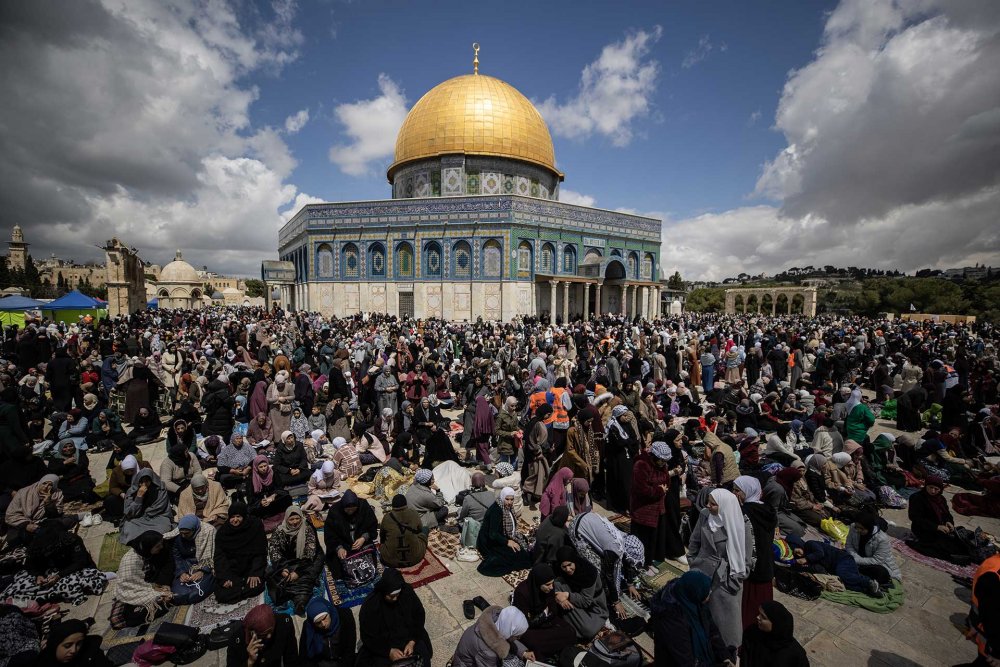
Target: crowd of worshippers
721, 441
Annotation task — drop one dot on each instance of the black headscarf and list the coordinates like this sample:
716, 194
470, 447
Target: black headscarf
391, 623
57, 635
178, 454
439, 449
777, 648
247, 538
585, 574
541, 573
154, 565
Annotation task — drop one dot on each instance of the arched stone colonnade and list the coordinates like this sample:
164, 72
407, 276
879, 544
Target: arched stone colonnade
772, 300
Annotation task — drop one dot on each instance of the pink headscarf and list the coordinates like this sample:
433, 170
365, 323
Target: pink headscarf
484, 418
258, 399
258, 481
555, 493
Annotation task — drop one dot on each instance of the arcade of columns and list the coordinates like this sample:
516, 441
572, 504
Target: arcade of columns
752, 300
641, 300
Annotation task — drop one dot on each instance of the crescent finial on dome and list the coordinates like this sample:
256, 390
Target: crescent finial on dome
475, 58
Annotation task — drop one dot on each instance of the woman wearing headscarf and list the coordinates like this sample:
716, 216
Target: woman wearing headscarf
178, 469
299, 425
757, 588
483, 427
402, 541
684, 632
389, 479
146, 426
555, 492
240, 556
551, 536
392, 624
621, 449
502, 547
801, 500
581, 453
650, 483
119, 482
548, 631
387, 390
579, 497
616, 555
260, 431
296, 560
580, 593
323, 483
144, 577
235, 462
870, 547
859, 418
493, 639
535, 471
350, 527
263, 493
933, 525
770, 642
290, 461
147, 507
507, 427
329, 636
194, 559
206, 499
264, 638
73, 468
33, 504
69, 645
722, 546
280, 396
58, 568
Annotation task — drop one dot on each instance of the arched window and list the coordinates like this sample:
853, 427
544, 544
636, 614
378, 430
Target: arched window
592, 257
647, 266
404, 260
351, 261
524, 260
324, 261
432, 259
633, 265
492, 259
547, 259
462, 257
162, 294
376, 260
569, 259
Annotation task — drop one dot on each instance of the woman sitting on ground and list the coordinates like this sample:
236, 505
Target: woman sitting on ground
147, 507
871, 548
351, 526
177, 470
265, 496
770, 640
73, 468
235, 462
555, 492
369, 447
684, 633
389, 479
296, 560
30, 506
402, 541
329, 636
206, 499
800, 499
144, 578
426, 499
392, 624
264, 638
493, 639
507, 476
324, 482
240, 556
58, 569
146, 427
580, 594
119, 482
259, 431
548, 630
501, 545
290, 462
69, 645
933, 525
551, 536
194, 559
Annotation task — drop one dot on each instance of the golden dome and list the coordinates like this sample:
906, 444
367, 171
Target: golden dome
475, 114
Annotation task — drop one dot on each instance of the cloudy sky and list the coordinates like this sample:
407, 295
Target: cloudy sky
764, 134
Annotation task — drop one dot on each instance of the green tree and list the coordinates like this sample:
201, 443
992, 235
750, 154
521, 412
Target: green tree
706, 300
254, 288
675, 281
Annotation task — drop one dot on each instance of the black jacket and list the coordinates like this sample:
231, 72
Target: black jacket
218, 404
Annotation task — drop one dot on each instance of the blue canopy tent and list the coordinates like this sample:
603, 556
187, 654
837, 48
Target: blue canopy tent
154, 303
70, 307
12, 309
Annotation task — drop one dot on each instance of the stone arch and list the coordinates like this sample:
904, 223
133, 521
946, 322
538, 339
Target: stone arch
766, 303
569, 259
432, 259
781, 303
615, 270
351, 261
738, 304
592, 256
752, 304
404, 259
797, 305
461, 258
324, 260
162, 293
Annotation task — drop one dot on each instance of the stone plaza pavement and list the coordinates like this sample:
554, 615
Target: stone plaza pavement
921, 632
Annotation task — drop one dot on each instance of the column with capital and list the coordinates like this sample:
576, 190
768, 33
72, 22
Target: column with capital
644, 301
565, 308
586, 301
552, 301
636, 307
657, 302
597, 300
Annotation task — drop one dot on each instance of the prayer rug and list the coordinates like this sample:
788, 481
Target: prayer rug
516, 577
892, 601
78, 506
665, 573
443, 544
429, 569
622, 522
340, 595
119, 645
111, 554
939, 565
209, 614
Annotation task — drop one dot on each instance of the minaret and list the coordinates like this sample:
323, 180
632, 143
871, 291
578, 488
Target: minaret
17, 255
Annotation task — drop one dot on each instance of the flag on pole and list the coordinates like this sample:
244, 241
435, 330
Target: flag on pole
913, 308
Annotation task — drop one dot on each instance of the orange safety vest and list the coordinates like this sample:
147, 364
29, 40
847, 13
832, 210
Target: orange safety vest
535, 401
559, 413
974, 630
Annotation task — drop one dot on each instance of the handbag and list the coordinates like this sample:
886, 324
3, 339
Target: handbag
470, 532
360, 568
191, 652
616, 649
175, 634
150, 653
220, 636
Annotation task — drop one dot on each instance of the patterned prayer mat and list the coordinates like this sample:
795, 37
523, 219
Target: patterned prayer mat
665, 573
340, 595
119, 645
111, 554
209, 614
516, 577
622, 522
940, 565
429, 569
443, 544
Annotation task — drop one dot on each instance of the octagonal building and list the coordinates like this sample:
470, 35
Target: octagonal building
474, 228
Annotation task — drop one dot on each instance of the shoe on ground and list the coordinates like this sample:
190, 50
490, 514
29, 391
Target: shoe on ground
96, 520
110, 576
874, 590
682, 559
88, 521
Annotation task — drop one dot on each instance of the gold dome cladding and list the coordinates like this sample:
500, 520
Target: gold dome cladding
475, 114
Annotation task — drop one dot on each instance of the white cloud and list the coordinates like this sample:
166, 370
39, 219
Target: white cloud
572, 197
372, 126
296, 121
699, 52
754, 117
301, 200
155, 142
891, 156
615, 91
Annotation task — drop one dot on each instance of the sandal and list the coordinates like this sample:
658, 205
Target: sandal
481, 603
469, 609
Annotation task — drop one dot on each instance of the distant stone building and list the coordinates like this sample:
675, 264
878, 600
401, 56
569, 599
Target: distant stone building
124, 278
180, 286
17, 253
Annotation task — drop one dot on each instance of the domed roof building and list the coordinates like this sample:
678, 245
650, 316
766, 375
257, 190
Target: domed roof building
179, 285
474, 228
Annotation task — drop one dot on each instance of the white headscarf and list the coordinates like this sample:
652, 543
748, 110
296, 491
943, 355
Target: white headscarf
750, 486
731, 517
853, 401
511, 623
130, 463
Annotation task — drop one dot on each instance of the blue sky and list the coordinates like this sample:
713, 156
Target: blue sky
765, 134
